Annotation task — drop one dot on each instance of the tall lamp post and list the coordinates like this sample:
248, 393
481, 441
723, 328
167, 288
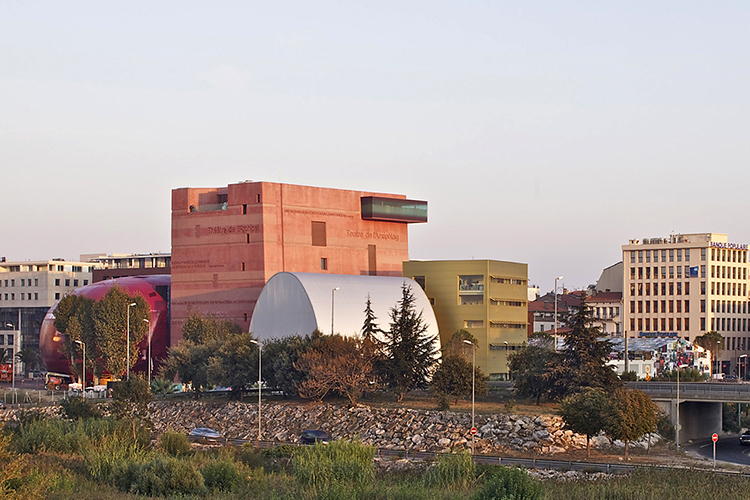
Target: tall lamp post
83, 384
333, 294
678, 405
127, 355
149, 350
259, 381
556, 280
473, 377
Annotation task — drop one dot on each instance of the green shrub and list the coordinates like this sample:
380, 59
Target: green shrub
77, 407
250, 456
629, 376
665, 427
160, 476
340, 461
509, 483
282, 451
451, 470
221, 475
174, 443
443, 402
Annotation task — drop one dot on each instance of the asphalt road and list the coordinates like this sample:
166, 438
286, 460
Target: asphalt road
728, 449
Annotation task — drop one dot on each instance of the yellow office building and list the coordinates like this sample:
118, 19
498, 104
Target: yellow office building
486, 297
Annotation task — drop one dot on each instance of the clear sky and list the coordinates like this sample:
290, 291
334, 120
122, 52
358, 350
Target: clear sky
545, 132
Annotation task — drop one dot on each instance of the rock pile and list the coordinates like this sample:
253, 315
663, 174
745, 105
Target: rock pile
396, 429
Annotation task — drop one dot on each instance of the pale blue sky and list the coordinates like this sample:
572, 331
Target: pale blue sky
547, 133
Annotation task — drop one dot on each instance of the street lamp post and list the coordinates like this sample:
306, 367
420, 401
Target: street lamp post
83, 384
556, 279
333, 292
739, 405
259, 381
149, 350
473, 377
127, 354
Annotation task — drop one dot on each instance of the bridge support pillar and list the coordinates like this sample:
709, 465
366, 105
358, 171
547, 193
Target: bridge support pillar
699, 420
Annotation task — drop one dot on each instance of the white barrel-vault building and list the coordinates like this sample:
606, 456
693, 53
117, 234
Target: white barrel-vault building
300, 303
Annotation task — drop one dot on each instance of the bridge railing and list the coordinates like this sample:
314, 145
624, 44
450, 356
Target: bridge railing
705, 390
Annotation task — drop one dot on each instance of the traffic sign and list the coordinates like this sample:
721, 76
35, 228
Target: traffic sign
473, 431
715, 437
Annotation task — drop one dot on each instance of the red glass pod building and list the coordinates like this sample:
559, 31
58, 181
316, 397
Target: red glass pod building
155, 290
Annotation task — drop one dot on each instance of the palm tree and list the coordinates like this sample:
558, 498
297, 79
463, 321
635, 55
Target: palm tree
29, 357
5, 356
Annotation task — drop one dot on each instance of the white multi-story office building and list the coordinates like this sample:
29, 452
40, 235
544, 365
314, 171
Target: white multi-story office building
686, 285
27, 290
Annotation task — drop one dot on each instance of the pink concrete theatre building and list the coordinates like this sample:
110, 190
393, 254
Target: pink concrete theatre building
227, 242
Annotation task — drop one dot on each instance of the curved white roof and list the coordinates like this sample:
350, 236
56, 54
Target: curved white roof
298, 303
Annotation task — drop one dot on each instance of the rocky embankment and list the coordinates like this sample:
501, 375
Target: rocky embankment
389, 428
397, 429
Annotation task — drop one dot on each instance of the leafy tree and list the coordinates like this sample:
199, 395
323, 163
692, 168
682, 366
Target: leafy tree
686, 375
629, 415
629, 376
202, 338
584, 357
235, 364
28, 357
279, 358
74, 318
453, 379
584, 413
110, 316
339, 365
76, 407
5, 356
410, 354
531, 367
712, 341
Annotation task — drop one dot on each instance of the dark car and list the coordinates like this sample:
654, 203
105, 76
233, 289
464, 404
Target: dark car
745, 437
312, 436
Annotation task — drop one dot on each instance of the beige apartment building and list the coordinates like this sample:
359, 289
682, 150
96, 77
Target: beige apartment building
685, 285
488, 298
27, 290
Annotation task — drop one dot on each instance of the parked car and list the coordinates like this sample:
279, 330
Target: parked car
204, 434
312, 436
745, 437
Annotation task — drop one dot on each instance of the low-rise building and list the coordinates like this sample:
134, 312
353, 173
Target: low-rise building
486, 297
27, 290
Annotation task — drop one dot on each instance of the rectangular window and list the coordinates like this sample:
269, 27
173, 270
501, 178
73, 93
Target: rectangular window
687, 306
648, 306
640, 306
663, 288
632, 306
471, 290
632, 257
656, 272
679, 288
679, 272
679, 324
703, 288
663, 255
86, 282
393, 209
703, 320
648, 273
640, 256
75, 283
679, 255
703, 271
640, 324
671, 255
648, 324
36, 297
687, 255
663, 272
632, 324
679, 306
473, 323
703, 254
632, 273
318, 234
57, 295
13, 283
640, 273
57, 282
671, 324
656, 306
648, 255
323, 264
244, 209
